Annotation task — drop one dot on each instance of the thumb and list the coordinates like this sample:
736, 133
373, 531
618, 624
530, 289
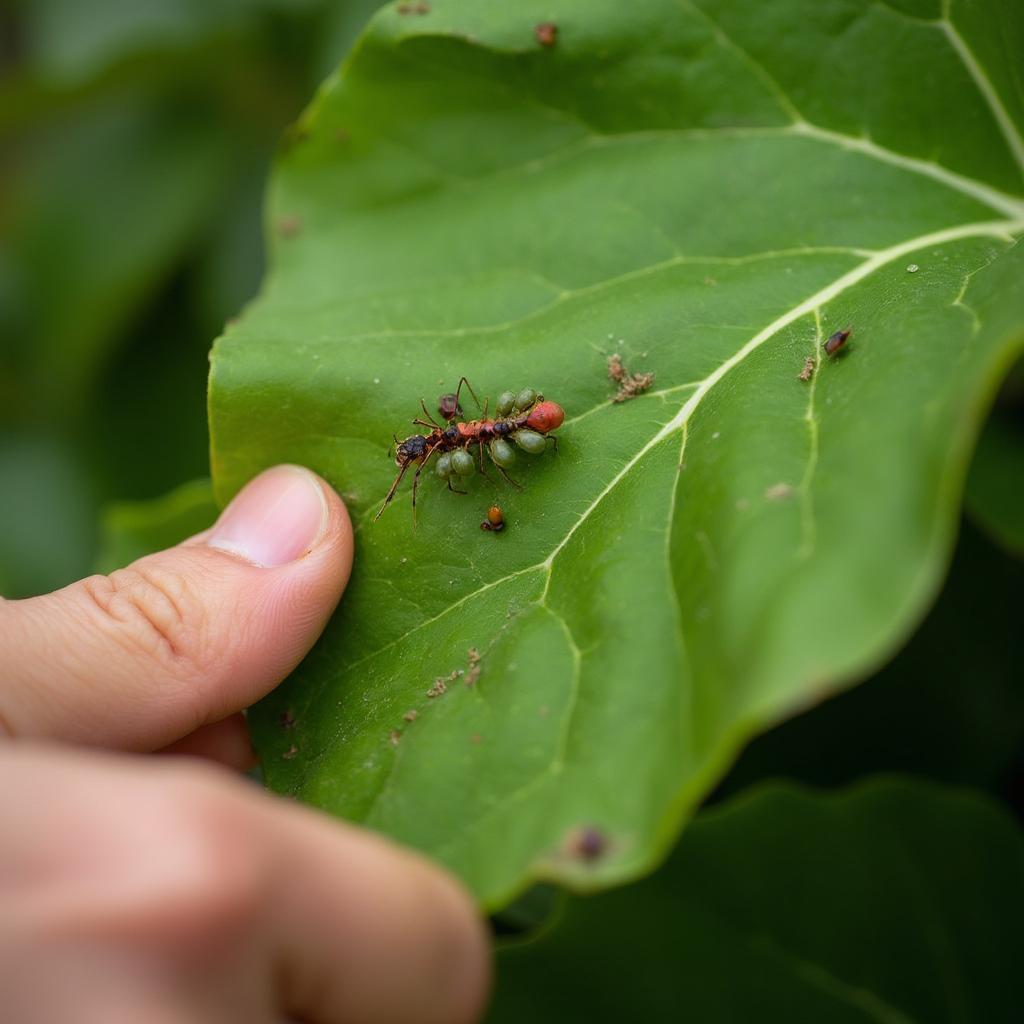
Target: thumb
185, 637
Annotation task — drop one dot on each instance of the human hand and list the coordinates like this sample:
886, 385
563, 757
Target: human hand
161, 890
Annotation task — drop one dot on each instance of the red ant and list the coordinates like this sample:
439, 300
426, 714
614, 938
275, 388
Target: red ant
526, 418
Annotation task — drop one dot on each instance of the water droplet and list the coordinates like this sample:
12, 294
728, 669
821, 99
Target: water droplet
715, 436
912, 268
376, 380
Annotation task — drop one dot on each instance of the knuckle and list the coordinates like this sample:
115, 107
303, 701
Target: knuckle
154, 610
204, 880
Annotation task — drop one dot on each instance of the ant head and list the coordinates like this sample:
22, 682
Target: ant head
411, 449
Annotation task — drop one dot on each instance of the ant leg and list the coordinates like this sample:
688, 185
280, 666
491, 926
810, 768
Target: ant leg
483, 471
505, 476
416, 479
554, 442
426, 412
391, 492
415, 484
471, 391
423, 423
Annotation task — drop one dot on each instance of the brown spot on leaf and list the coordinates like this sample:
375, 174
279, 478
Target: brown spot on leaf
411, 715
586, 843
289, 226
473, 655
394, 737
546, 33
439, 687
779, 492
808, 371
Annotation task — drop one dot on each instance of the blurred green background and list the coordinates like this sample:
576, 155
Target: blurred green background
135, 140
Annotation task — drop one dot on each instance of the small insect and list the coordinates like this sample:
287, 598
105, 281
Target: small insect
837, 341
495, 521
525, 418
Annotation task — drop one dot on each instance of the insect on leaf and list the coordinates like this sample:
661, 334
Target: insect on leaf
708, 189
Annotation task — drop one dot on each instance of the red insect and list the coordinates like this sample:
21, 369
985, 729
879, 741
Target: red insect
525, 418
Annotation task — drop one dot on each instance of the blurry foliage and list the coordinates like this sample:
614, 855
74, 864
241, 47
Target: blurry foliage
134, 144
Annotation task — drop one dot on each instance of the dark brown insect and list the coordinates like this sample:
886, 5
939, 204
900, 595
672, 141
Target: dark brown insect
546, 33
837, 341
495, 521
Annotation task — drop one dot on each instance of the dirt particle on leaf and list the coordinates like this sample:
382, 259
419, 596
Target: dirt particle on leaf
586, 843
779, 492
630, 384
808, 371
546, 33
411, 715
289, 226
476, 738
417, 8
439, 687
472, 676
616, 371
287, 719
394, 737
290, 752
474, 656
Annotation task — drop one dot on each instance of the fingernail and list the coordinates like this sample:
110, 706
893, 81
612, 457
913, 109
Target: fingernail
274, 519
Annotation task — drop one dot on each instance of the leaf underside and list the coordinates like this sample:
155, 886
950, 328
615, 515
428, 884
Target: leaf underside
710, 190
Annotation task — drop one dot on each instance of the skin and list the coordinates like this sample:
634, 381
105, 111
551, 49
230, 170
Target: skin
140, 878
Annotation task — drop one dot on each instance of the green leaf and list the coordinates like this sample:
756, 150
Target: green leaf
710, 191
893, 902
131, 529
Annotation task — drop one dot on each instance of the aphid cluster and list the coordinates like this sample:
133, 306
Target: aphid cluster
525, 419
